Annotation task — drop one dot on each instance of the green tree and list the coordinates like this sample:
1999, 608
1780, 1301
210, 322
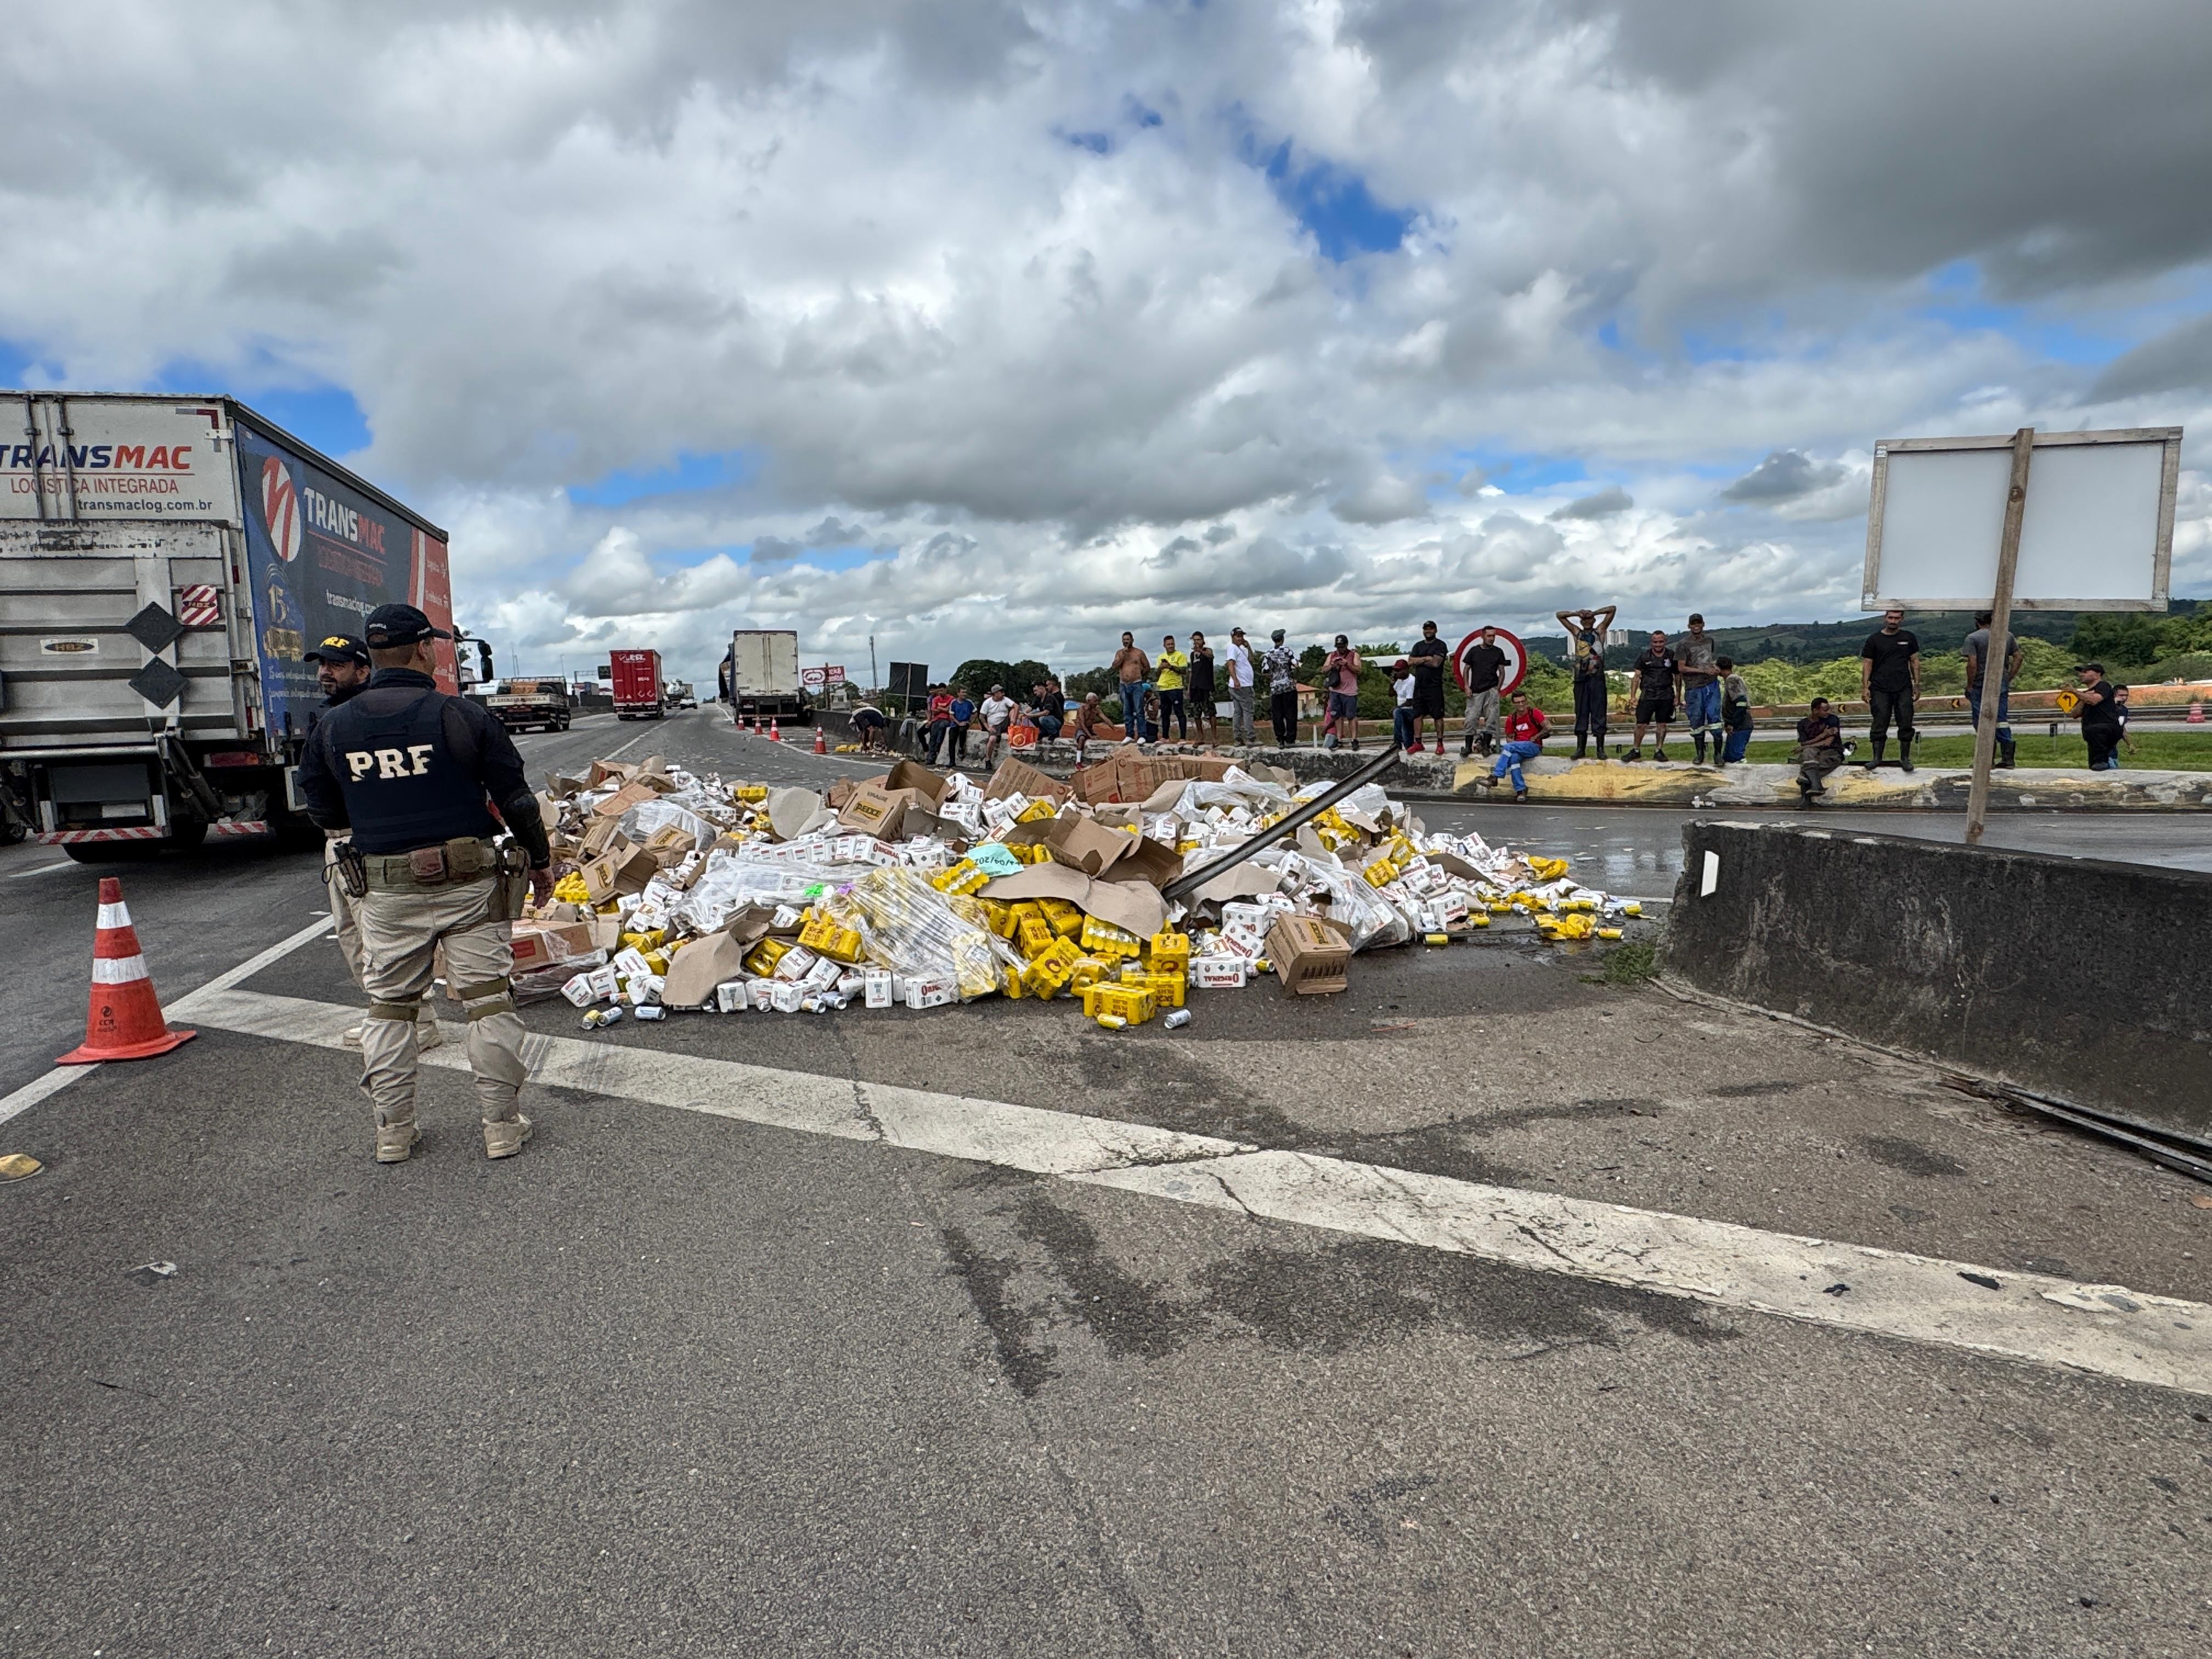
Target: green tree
980, 674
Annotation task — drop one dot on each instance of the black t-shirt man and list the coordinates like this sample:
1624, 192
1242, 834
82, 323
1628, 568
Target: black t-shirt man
1655, 674
1427, 659
1484, 666
1892, 655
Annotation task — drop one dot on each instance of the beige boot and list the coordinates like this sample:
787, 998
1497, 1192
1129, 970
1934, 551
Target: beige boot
505, 1138
394, 1141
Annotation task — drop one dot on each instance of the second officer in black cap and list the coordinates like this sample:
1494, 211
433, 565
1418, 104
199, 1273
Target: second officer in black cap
416, 775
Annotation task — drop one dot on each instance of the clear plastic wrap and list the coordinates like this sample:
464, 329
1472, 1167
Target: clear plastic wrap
913, 930
1374, 921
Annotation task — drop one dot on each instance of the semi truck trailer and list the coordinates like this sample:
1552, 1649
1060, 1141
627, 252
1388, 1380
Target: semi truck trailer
635, 679
762, 676
166, 562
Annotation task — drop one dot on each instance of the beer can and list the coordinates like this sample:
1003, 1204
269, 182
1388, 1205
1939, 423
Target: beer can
1177, 1020
1112, 1022
651, 1011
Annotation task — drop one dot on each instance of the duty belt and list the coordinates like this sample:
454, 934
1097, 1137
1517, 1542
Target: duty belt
469, 858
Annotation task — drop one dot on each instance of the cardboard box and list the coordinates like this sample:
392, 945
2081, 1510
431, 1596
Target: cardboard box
1311, 958
540, 945
1154, 863
1084, 846
627, 869
603, 773
629, 795
1016, 777
901, 803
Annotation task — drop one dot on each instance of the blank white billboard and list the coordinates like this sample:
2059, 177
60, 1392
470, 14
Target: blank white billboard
2097, 534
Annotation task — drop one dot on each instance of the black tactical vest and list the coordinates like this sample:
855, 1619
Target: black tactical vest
404, 788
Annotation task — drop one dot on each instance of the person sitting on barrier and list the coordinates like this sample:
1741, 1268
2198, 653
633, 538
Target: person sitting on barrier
1526, 728
1091, 725
1735, 712
1045, 712
1819, 749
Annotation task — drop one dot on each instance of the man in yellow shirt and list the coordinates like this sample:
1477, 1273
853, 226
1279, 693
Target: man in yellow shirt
1170, 669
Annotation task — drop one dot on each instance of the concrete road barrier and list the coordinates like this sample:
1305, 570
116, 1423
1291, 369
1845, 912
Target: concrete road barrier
2073, 977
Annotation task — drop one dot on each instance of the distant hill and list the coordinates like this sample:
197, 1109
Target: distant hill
1800, 642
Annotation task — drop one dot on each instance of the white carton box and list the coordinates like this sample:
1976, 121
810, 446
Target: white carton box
731, 997
786, 996
932, 992
877, 987
1219, 973
764, 994
796, 964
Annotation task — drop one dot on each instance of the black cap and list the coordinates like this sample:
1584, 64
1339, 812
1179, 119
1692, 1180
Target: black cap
390, 625
2088, 668
339, 647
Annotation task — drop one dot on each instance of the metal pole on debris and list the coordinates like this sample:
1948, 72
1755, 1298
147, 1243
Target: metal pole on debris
1194, 879
2000, 645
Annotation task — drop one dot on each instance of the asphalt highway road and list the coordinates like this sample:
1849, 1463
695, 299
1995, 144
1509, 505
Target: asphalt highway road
706, 1371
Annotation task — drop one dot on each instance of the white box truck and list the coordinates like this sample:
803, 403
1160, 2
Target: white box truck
760, 676
165, 564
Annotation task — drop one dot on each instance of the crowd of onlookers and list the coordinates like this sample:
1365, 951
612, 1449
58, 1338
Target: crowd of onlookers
1175, 693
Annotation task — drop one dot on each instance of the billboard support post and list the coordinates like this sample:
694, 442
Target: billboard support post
1998, 651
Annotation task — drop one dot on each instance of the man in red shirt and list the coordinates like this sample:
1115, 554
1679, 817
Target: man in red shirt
1526, 728
941, 722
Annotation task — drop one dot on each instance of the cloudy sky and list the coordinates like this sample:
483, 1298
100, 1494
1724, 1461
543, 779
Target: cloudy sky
993, 328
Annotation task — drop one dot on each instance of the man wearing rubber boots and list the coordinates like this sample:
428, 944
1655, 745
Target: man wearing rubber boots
415, 775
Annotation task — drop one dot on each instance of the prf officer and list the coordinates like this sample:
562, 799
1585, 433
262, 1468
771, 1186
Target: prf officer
415, 774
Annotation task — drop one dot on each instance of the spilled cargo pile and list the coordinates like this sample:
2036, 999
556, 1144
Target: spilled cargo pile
915, 890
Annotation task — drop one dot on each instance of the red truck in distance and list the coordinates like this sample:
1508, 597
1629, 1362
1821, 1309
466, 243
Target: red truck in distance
635, 680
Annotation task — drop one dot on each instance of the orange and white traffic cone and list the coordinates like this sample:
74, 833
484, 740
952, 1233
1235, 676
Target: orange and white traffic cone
124, 1021
2196, 713
821, 742
774, 729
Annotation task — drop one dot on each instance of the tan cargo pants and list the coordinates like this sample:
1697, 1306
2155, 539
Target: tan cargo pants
345, 917
401, 929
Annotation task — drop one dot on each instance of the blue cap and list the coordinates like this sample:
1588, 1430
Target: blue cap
390, 625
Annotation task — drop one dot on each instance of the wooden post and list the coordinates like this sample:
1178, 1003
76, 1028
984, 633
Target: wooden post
2000, 646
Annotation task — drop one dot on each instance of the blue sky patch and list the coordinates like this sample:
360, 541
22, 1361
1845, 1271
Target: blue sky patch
1333, 203
624, 486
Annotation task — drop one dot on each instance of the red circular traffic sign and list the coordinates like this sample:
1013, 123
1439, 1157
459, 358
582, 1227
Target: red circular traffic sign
1516, 658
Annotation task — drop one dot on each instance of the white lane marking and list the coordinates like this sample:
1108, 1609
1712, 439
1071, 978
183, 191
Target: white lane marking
62, 1076
44, 869
626, 747
2104, 1329
32, 1093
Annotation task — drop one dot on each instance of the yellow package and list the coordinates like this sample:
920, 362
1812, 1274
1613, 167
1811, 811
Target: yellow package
572, 890
1064, 918
755, 793
1128, 1002
1036, 812
1103, 938
1033, 936
1170, 951
826, 938
1086, 972
1168, 990
1010, 983
761, 960
1001, 916
1380, 873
